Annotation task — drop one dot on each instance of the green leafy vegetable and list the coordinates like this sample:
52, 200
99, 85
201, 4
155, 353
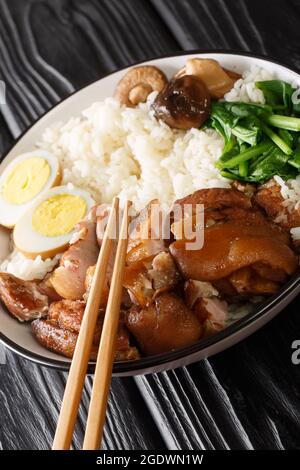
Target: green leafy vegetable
276, 139
243, 110
248, 130
223, 120
259, 143
229, 175
243, 169
273, 163
283, 122
287, 136
277, 93
295, 161
246, 155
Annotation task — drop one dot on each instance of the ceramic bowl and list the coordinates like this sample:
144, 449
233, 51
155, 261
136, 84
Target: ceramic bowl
18, 337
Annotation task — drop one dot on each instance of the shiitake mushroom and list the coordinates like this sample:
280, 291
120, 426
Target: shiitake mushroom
183, 103
138, 83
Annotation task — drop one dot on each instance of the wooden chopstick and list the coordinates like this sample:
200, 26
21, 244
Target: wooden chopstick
78, 369
106, 353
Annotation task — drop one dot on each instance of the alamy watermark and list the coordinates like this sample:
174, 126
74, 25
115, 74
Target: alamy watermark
296, 354
2, 92
157, 222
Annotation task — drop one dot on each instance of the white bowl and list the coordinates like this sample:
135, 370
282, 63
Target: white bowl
18, 337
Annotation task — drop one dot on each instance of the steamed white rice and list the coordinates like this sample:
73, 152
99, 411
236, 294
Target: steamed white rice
28, 269
112, 150
244, 89
290, 191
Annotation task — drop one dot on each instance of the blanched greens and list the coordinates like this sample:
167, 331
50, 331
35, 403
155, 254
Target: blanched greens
259, 143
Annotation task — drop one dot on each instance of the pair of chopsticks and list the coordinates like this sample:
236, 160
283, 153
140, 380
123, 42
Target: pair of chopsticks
106, 352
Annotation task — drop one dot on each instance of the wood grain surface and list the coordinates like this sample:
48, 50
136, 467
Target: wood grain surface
247, 397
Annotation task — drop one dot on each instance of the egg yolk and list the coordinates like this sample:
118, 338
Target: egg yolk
26, 180
58, 215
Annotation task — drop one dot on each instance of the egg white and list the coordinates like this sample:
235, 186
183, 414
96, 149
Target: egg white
10, 213
33, 244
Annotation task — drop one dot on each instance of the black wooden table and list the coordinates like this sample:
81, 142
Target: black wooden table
246, 397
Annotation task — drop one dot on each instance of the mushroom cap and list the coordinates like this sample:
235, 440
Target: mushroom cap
184, 103
138, 83
217, 79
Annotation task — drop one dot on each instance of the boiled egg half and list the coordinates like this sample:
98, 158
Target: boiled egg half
46, 228
24, 179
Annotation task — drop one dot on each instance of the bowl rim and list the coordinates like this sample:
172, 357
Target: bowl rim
146, 364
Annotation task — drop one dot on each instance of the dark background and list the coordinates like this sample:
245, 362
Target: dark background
246, 397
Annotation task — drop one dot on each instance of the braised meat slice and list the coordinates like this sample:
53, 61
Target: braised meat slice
59, 332
255, 280
125, 301
68, 279
163, 273
146, 279
231, 246
138, 284
194, 290
45, 287
217, 199
100, 215
269, 197
219, 205
225, 289
203, 299
150, 268
130, 354
22, 298
246, 281
246, 188
145, 238
164, 325
56, 339
212, 313
88, 284
67, 314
